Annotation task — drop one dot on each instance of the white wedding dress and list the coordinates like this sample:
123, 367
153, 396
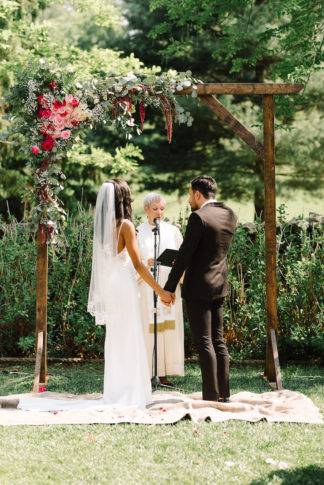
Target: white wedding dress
126, 379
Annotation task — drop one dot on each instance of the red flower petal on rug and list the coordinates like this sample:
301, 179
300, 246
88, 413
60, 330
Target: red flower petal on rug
196, 432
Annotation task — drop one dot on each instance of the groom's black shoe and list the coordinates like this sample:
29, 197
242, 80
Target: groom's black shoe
223, 399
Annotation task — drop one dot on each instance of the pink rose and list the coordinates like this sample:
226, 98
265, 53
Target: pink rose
69, 98
59, 123
34, 149
69, 108
66, 134
67, 123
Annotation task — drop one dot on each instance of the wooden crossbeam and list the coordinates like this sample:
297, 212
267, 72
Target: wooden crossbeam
244, 88
235, 125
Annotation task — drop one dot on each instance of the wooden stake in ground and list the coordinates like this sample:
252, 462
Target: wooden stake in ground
41, 301
270, 230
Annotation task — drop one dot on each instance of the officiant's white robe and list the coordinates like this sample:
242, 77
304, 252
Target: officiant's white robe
170, 334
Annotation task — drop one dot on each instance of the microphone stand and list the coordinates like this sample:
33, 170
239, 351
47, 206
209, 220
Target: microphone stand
155, 379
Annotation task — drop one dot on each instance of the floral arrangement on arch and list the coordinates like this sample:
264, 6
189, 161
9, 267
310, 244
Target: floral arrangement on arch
50, 107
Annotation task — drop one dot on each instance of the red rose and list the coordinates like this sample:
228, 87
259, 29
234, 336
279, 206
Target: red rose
52, 85
47, 145
46, 113
63, 115
75, 102
49, 137
35, 149
40, 99
40, 113
75, 123
57, 104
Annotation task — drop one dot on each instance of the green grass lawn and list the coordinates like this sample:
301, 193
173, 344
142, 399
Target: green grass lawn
233, 452
300, 203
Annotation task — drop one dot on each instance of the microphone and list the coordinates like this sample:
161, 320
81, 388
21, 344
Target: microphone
156, 221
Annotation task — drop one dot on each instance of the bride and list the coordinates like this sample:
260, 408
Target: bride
114, 302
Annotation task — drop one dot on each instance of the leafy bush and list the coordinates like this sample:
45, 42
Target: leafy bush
72, 332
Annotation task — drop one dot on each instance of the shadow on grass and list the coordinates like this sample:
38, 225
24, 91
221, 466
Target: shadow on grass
309, 475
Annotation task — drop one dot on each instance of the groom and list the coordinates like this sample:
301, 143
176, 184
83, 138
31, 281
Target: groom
202, 256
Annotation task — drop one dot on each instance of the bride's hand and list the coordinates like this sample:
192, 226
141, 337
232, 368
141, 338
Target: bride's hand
167, 298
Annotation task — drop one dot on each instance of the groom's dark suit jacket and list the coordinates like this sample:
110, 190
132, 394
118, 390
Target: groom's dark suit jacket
203, 253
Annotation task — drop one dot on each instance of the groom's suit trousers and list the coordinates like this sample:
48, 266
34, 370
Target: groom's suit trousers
206, 323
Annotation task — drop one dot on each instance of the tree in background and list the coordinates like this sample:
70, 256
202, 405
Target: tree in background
30, 31
233, 41
219, 41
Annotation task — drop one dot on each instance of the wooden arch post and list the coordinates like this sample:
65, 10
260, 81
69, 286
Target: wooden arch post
266, 152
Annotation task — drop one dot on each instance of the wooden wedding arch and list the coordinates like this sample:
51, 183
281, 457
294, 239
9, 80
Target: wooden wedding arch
266, 152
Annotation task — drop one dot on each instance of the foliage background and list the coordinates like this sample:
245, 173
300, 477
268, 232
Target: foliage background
224, 41
72, 332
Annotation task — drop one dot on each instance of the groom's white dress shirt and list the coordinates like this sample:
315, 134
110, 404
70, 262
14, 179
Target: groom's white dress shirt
208, 202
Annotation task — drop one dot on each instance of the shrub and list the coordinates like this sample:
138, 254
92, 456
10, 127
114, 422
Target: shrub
72, 332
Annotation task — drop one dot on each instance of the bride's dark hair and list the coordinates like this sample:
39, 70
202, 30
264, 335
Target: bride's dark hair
123, 199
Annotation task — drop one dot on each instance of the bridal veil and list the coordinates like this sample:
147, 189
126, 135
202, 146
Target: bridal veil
101, 301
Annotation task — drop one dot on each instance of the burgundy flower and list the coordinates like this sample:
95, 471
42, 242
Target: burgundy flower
52, 85
47, 145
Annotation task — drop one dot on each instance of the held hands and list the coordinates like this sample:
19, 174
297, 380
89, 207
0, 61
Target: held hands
167, 298
150, 262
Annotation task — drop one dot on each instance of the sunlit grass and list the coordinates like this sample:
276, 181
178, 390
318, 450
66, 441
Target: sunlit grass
300, 203
233, 452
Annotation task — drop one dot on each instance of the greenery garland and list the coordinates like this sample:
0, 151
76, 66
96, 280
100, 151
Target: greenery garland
50, 107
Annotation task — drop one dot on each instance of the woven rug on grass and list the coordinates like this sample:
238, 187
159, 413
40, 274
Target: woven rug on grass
168, 407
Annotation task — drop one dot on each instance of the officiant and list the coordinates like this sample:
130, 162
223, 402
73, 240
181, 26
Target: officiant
170, 329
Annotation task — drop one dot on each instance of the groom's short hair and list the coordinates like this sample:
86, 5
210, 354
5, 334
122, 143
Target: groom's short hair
206, 185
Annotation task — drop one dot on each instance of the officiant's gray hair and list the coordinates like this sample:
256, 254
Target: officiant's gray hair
153, 197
